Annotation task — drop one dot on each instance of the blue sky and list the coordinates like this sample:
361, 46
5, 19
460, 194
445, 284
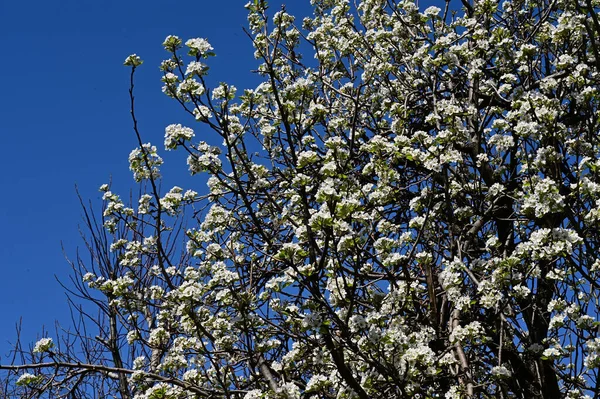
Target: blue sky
64, 119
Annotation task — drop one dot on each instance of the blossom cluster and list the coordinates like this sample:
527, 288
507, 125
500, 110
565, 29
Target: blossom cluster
411, 212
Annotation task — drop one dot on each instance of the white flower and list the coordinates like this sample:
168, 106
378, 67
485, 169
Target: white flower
432, 11
43, 345
190, 195
289, 391
254, 394
145, 162
471, 331
544, 199
357, 323
501, 142
592, 360
198, 46
564, 61
28, 379
306, 158
132, 336
172, 43
521, 291
202, 113
501, 372
139, 362
223, 91
176, 133
454, 393
551, 353
133, 60
195, 67
492, 242
158, 337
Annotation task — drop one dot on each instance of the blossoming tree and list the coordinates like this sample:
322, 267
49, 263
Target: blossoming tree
411, 210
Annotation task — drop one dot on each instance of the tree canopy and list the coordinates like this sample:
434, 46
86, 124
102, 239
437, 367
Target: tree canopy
407, 206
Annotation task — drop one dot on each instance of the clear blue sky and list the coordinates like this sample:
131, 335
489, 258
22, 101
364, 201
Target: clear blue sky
64, 120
